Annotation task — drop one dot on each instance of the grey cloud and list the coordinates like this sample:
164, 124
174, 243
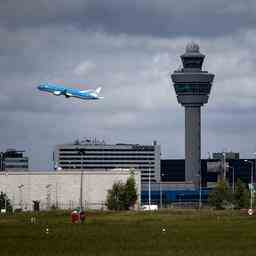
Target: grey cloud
162, 18
139, 104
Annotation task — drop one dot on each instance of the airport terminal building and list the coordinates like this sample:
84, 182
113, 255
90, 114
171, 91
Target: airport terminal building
14, 160
97, 155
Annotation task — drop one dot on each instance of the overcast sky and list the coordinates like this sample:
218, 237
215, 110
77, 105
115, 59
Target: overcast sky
130, 48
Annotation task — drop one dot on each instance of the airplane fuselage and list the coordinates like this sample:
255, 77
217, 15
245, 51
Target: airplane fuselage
58, 90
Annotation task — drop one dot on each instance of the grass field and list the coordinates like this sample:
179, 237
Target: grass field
130, 233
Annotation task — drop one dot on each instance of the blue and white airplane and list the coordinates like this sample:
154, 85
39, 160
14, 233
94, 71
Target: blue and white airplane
58, 90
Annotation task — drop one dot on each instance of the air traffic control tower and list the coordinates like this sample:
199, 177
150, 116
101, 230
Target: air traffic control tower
192, 87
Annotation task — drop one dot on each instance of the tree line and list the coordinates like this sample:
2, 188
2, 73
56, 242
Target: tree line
222, 197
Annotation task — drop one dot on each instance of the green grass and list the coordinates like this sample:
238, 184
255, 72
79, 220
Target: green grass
206, 233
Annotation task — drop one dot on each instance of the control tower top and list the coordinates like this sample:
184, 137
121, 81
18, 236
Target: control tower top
191, 84
192, 59
192, 48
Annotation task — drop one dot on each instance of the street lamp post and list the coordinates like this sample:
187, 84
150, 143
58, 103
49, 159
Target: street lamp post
5, 196
21, 197
200, 190
233, 177
251, 188
224, 165
149, 186
82, 153
161, 192
200, 194
48, 196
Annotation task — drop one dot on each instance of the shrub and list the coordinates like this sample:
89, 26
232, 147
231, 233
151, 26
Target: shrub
122, 196
220, 197
241, 195
5, 201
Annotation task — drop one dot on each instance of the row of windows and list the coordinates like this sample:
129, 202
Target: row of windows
107, 154
147, 176
104, 163
192, 88
105, 158
16, 160
101, 167
106, 149
16, 166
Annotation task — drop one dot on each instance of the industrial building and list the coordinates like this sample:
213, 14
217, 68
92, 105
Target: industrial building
14, 160
174, 188
173, 170
63, 189
226, 155
97, 155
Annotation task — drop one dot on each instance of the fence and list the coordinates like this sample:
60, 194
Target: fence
45, 206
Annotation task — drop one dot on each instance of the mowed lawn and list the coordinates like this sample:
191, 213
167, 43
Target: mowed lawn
186, 232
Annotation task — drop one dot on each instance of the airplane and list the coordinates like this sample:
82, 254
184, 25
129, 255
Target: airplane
58, 90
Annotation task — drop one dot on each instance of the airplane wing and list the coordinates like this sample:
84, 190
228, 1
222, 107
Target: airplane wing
68, 94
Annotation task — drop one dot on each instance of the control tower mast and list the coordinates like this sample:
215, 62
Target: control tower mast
192, 87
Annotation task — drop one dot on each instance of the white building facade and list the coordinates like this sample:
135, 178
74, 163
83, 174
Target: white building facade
94, 155
63, 189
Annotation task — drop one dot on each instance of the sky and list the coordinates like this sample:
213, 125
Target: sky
130, 48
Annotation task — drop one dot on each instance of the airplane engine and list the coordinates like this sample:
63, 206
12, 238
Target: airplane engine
56, 93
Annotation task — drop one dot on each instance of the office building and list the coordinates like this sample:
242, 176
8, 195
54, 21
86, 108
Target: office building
14, 160
97, 155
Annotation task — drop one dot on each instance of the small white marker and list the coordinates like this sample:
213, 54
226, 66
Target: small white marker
250, 212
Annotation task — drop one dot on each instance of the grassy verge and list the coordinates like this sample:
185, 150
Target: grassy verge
173, 232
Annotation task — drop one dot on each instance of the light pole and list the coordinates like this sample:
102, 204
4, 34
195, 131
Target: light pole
200, 190
5, 196
21, 198
233, 177
48, 195
81, 152
224, 165
161, 192
251, 188
149, 186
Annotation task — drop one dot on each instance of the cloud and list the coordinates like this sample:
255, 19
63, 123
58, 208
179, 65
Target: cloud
84, 68
132, 59
146, 17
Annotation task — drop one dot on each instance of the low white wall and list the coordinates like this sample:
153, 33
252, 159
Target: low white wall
62, 188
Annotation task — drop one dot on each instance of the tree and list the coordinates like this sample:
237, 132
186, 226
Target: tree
241, 195
131, 193
220, 197
5, 202
115, 197
122, 196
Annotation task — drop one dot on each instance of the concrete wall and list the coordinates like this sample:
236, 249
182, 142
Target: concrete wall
62, 189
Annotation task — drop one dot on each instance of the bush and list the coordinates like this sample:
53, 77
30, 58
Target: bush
122, 196
241, 195
4, 200
221, 197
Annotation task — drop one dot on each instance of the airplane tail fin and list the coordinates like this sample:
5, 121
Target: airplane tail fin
97, 91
